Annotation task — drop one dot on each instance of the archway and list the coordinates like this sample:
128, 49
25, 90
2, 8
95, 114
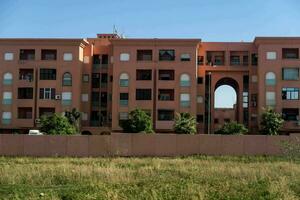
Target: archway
226, 102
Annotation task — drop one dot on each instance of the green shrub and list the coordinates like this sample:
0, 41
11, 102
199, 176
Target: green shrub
232, 128
271, 122
138, 121
56, 124
185, 123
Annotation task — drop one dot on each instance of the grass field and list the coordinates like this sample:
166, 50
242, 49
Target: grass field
196, 177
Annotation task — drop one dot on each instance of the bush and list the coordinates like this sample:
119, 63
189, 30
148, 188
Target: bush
232, 128
56, 124
271, 122
138, 121
185, 123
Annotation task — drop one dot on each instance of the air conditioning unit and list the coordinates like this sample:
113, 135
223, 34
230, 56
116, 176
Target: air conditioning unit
37, 121
57, 97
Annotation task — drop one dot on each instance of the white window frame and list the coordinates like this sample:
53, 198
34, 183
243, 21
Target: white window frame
271, 55
6, 115
68, 56
7, 95
84, 97
124, 56
66, 96
8, 56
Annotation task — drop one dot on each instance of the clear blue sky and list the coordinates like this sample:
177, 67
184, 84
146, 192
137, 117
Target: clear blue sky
211, 20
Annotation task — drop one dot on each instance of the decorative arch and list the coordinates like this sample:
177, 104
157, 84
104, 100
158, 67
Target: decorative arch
185, 80
270, 78
124, 79
7, 78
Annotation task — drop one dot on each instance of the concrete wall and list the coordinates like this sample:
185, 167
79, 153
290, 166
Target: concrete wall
120, 144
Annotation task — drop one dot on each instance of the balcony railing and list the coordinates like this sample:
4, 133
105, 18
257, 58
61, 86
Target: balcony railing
100, 66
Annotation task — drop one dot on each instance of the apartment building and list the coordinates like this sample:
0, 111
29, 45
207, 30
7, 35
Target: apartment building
106, 77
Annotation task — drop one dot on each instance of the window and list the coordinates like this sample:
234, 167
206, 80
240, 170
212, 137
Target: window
124, 99
84, 116
166, 74
245, 99
96, 59
123, 115
47, 74
199, 99
270, 78
290, 53
185, 80
104, 79
143, 74
85, 78
166, 55
270, 99
84, 97
67, 79
200, 80
47, 93
95, 98
68, 56
290, 93
7, 78
25, 113
8, 56
254, 59
86, 59
166, 94
200, 60
254, 100
271, 55
26, 75
95, 80
43, 111
49, 54
235, 60
290, 73
290, 114
254, 78
124, 57
199, 118
27, 54
6, 118
25, 93
124, 79
66, 98
215, 58
7, 98
165, 115
184, 100
143, 94
216, 120
185, 57
144, 55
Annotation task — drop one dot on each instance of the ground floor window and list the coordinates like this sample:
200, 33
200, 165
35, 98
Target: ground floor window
290, 114
165, 115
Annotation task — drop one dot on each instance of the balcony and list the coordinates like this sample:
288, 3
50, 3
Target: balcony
215, 58
49, 54
26, 75
290, 53
144, 55
166, 55
27, 54
97, 67
239, 58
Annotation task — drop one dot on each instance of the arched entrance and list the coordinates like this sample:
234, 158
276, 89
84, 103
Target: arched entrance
225, 105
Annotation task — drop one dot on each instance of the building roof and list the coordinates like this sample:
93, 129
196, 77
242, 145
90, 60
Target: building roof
156, 41
44, 41
276, 40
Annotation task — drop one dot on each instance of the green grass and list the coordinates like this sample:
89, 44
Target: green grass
196, 177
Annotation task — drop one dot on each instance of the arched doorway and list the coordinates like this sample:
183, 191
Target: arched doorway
225, 102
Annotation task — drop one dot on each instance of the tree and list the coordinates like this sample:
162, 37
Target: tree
232, 128
185, 123
138, 121
73, 117
271, 122
56, 124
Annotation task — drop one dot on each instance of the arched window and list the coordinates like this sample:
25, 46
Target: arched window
124, 79
184, 80
270, 78
67, 79
7, 78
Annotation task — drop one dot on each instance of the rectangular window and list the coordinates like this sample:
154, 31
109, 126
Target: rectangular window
124, 57
270, 99
271, 55
235, 60
143, 74
68, 56
166, 54
46, 111
49, 54
200, 80
25, 113
290, 53
245, 99
290, 93
166, 74
290, 114
6, 118
124, 99
47, 93
166, 94
85, 78
25, 93
143, 94
290, 74
185, 57
47, 74
95, 99
165, 115
123, 115
26, 74
144, 55
184, 100
7, 98
199, 118
27, 54
254, 59
95, 80
66, 98
8, 56
200, 60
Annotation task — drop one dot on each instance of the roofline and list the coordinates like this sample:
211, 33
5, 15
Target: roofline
268, 40
41, 41
156, 41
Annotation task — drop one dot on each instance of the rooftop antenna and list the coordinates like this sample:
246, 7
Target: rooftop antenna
115, 31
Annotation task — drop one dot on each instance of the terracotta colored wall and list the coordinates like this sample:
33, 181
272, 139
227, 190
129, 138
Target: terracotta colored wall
141, 145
